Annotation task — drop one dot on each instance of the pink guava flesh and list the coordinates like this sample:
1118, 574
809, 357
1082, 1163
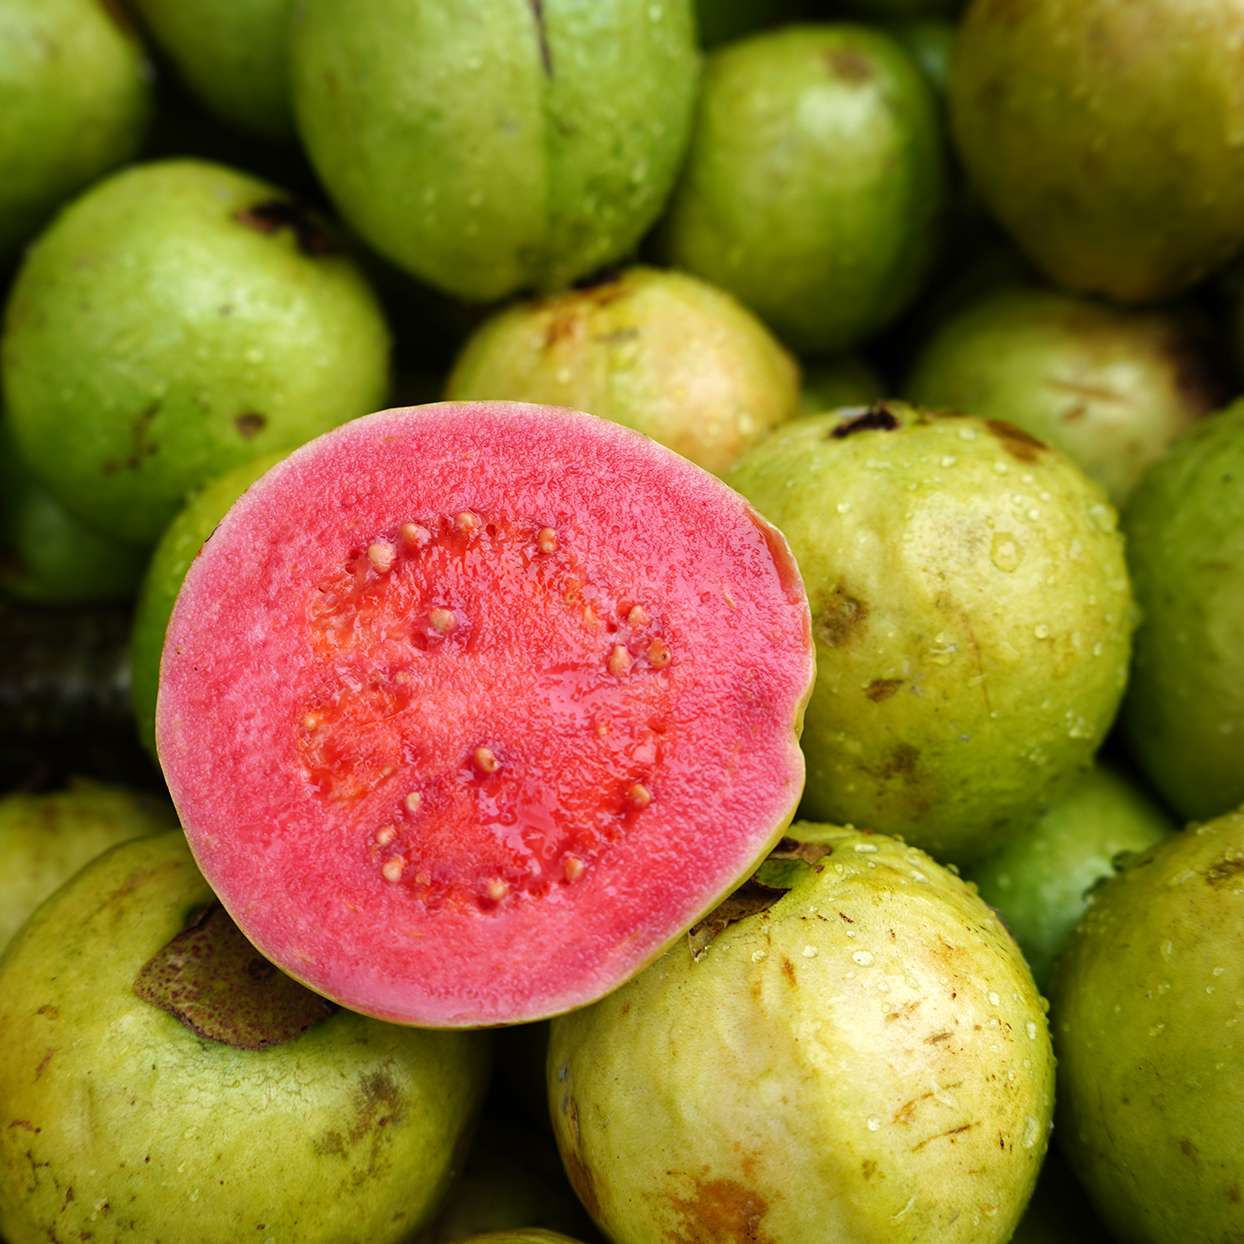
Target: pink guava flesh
469, 709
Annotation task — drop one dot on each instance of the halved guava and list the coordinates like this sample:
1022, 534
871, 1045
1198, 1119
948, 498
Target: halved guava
469, 709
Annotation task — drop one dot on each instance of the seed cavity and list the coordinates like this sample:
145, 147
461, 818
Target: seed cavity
619, 661
393, 868
546, 540
382, 555
486, 760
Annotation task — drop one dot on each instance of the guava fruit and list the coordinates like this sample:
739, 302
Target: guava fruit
662, 352
930, 42
815, 182
75, 99
843, 381
46, 838
1148, 1003
1111, 387
971, 611
1107, 137
177, 319
1040, 882
510, 691
493, 146
234, 57
1184, 712
850, 1049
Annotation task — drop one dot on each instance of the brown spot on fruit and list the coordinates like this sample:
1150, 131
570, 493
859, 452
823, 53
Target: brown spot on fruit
750, 899
1018, 443
142, 446
1224, 870
1233, 1194
577, 1170
810, 853
720, 1211
901, 762
949, 1134
849, 66
249, 424
877, 418
868, 1168
274, 215
839, 619
1188, 1149
788, 969
883, 688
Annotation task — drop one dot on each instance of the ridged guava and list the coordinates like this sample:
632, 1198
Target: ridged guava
849, 1050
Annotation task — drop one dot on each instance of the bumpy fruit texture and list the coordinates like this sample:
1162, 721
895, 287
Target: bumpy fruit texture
1184, 713
529, 689
815, 182
1112, 388
149, 1082
971, 611
849, 1050
1108, 137
843, 381
75, 99
661, 352
1147, 1006
492, 146
234, 57
45, 839
177, 319
1040, 882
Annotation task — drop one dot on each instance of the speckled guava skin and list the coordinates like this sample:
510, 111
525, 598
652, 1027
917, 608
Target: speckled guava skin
178, 318
862, 1058
46, 838
1184, 713
1107, 136
234, 57
75, 100
661, 352
815, 182
971, 611
121, 1123
493, 146
843, 381
1148, 1006
1039, 882
1113, 388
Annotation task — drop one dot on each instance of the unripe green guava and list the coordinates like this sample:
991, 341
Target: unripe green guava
492, 146
661, 352
162, 1081
849, 1050
1148, 1003
1184, 713
971, 612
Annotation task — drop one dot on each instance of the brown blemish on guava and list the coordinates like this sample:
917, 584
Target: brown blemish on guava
581, 1178
868, 1168
750, 899
249, 424
949, 1134
275, 214
1188, 1149
879, 418
904, 1011
720, 1211
1224, 870
1019, 444
838, 620
142, 446
811, 853
542, 36
43, 1064
849, 66
900, 763
883, 688
1233, 1194
377, 1103
25, 1125
938, 1036
788, 970
49, 1011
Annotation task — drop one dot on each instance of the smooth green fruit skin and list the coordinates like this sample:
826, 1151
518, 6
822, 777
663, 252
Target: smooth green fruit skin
1184, 713
346, 1133
234, 57
866, 1061
843, 381
1108, 137
75, 99
45, 839
1039, 883
1147, 1008
815, 184
154, 339
178, 547
1112, 388
492, 146
972, 619
661, 352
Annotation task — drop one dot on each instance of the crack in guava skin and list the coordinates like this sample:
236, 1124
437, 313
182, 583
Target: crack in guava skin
484, 716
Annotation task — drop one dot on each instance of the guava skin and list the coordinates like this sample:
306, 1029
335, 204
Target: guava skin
843, 381
1184, 712
121, 1123
76, 96
1108, 137
864, 1058
1112, 388
1147, 1006
971, 611
495, 146
181, 317
815, 184
1039, 883
661, 352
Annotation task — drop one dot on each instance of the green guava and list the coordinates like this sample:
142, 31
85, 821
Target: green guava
661, 352
160, 1080
491, 146
971, 611
1184, 713
1111, 387
930, 42
1148, 1003
843, 381
850, 1049
177, 319
1108, 137
75, 99
815, 183
1040, 882
45, 839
